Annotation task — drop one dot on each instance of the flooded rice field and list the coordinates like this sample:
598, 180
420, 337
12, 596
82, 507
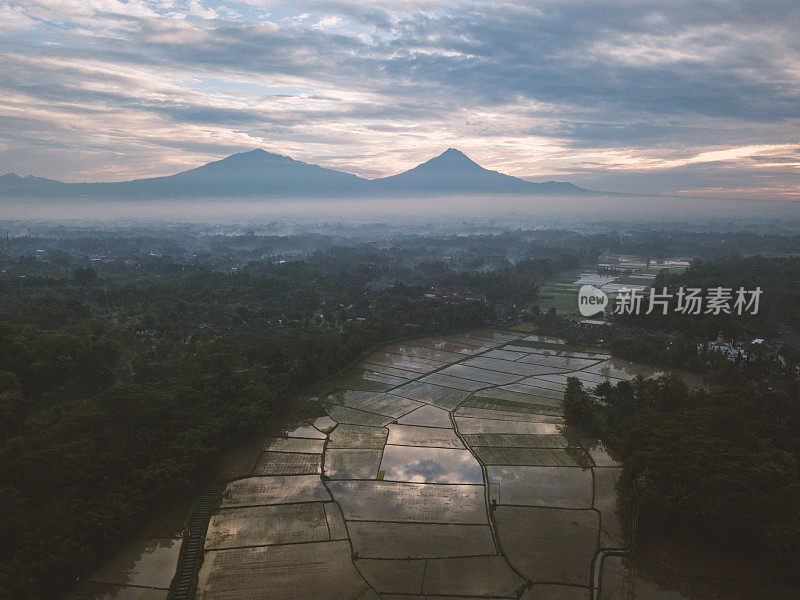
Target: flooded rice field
455, 479
142, 568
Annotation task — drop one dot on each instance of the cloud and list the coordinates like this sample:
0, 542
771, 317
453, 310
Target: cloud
586, 91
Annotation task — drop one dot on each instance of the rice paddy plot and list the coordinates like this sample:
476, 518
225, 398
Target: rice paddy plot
375, 539
481, 375
412, 435
347, 463
504, 354
544, 339
288, 463
361, 384
357, 436
389, 405
323, 423
549, 544
427, 416
446, 398
236, 463
457, 383
497, 364
456, 340
563, 363
294, 429
430, 465
537, 395
557, 487
410, 502
480, 344
409, 363
390, 380
537, 457
622, 369
336, 526
279, 489
345, 396
506, 366
530, 350
546, 405
550, 591
141, 562
383, 369
489, 334
608, 503
599, 453
516, 440
505, 394
393, 576
408, 349
267, 525
590, 355
544, 414
302, 445
543, 382
449, 345
107, 591
343, 414
590, 379
471, 425
487, 576
289, 572
559, 381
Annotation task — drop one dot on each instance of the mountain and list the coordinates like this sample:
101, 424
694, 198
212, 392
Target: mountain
260, 174
12, 185
453, 172
251, 173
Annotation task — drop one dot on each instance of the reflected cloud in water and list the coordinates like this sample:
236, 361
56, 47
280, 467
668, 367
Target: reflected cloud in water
430, 465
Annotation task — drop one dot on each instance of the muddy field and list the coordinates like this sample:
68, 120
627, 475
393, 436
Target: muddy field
448, 474
454, 480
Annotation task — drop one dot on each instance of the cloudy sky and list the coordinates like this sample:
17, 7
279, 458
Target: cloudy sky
671, 97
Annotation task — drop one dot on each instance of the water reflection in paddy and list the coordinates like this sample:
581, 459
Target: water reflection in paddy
623, 369
144, 562
430, 465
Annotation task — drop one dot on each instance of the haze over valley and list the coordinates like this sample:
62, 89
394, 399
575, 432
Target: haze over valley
399, 300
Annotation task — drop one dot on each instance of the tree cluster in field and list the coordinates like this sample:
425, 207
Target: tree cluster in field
678, 340
120, 386
719, 464
779, 304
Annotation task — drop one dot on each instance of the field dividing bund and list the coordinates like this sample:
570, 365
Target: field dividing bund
446, 472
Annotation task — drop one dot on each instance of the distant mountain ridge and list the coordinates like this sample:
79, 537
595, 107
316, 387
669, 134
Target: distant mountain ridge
259, 173
455, 171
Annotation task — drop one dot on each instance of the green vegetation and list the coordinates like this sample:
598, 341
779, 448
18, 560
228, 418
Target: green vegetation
719, 465
564, 300
126, 394
130, 361
121, 383
680, 340
778, 278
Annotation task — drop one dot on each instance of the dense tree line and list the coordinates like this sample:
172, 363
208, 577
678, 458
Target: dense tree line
120, 387
779, 303
719, 465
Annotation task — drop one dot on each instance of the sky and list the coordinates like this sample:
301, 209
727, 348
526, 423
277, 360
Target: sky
684, 98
